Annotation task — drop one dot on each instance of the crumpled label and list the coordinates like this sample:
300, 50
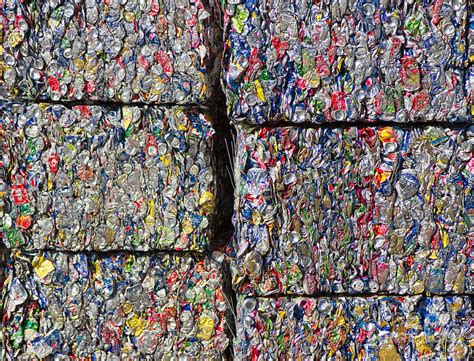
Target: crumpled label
42, 266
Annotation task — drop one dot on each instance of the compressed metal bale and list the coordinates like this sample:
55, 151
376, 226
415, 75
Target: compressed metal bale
359, 209
306, 61
136, 51
90, 177
382, 328
114, 306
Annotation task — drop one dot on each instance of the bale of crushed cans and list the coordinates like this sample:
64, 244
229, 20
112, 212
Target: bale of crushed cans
356, 210
378, 328
106, 178
323, 61
157, 51
123, 306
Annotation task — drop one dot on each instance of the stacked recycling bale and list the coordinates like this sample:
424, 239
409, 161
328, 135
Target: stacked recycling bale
108, 180
353, 179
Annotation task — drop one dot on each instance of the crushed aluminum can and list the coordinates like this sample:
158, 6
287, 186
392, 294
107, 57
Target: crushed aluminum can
106, 178
347, 328
323, 61
158, 51
109, 307
353, 210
